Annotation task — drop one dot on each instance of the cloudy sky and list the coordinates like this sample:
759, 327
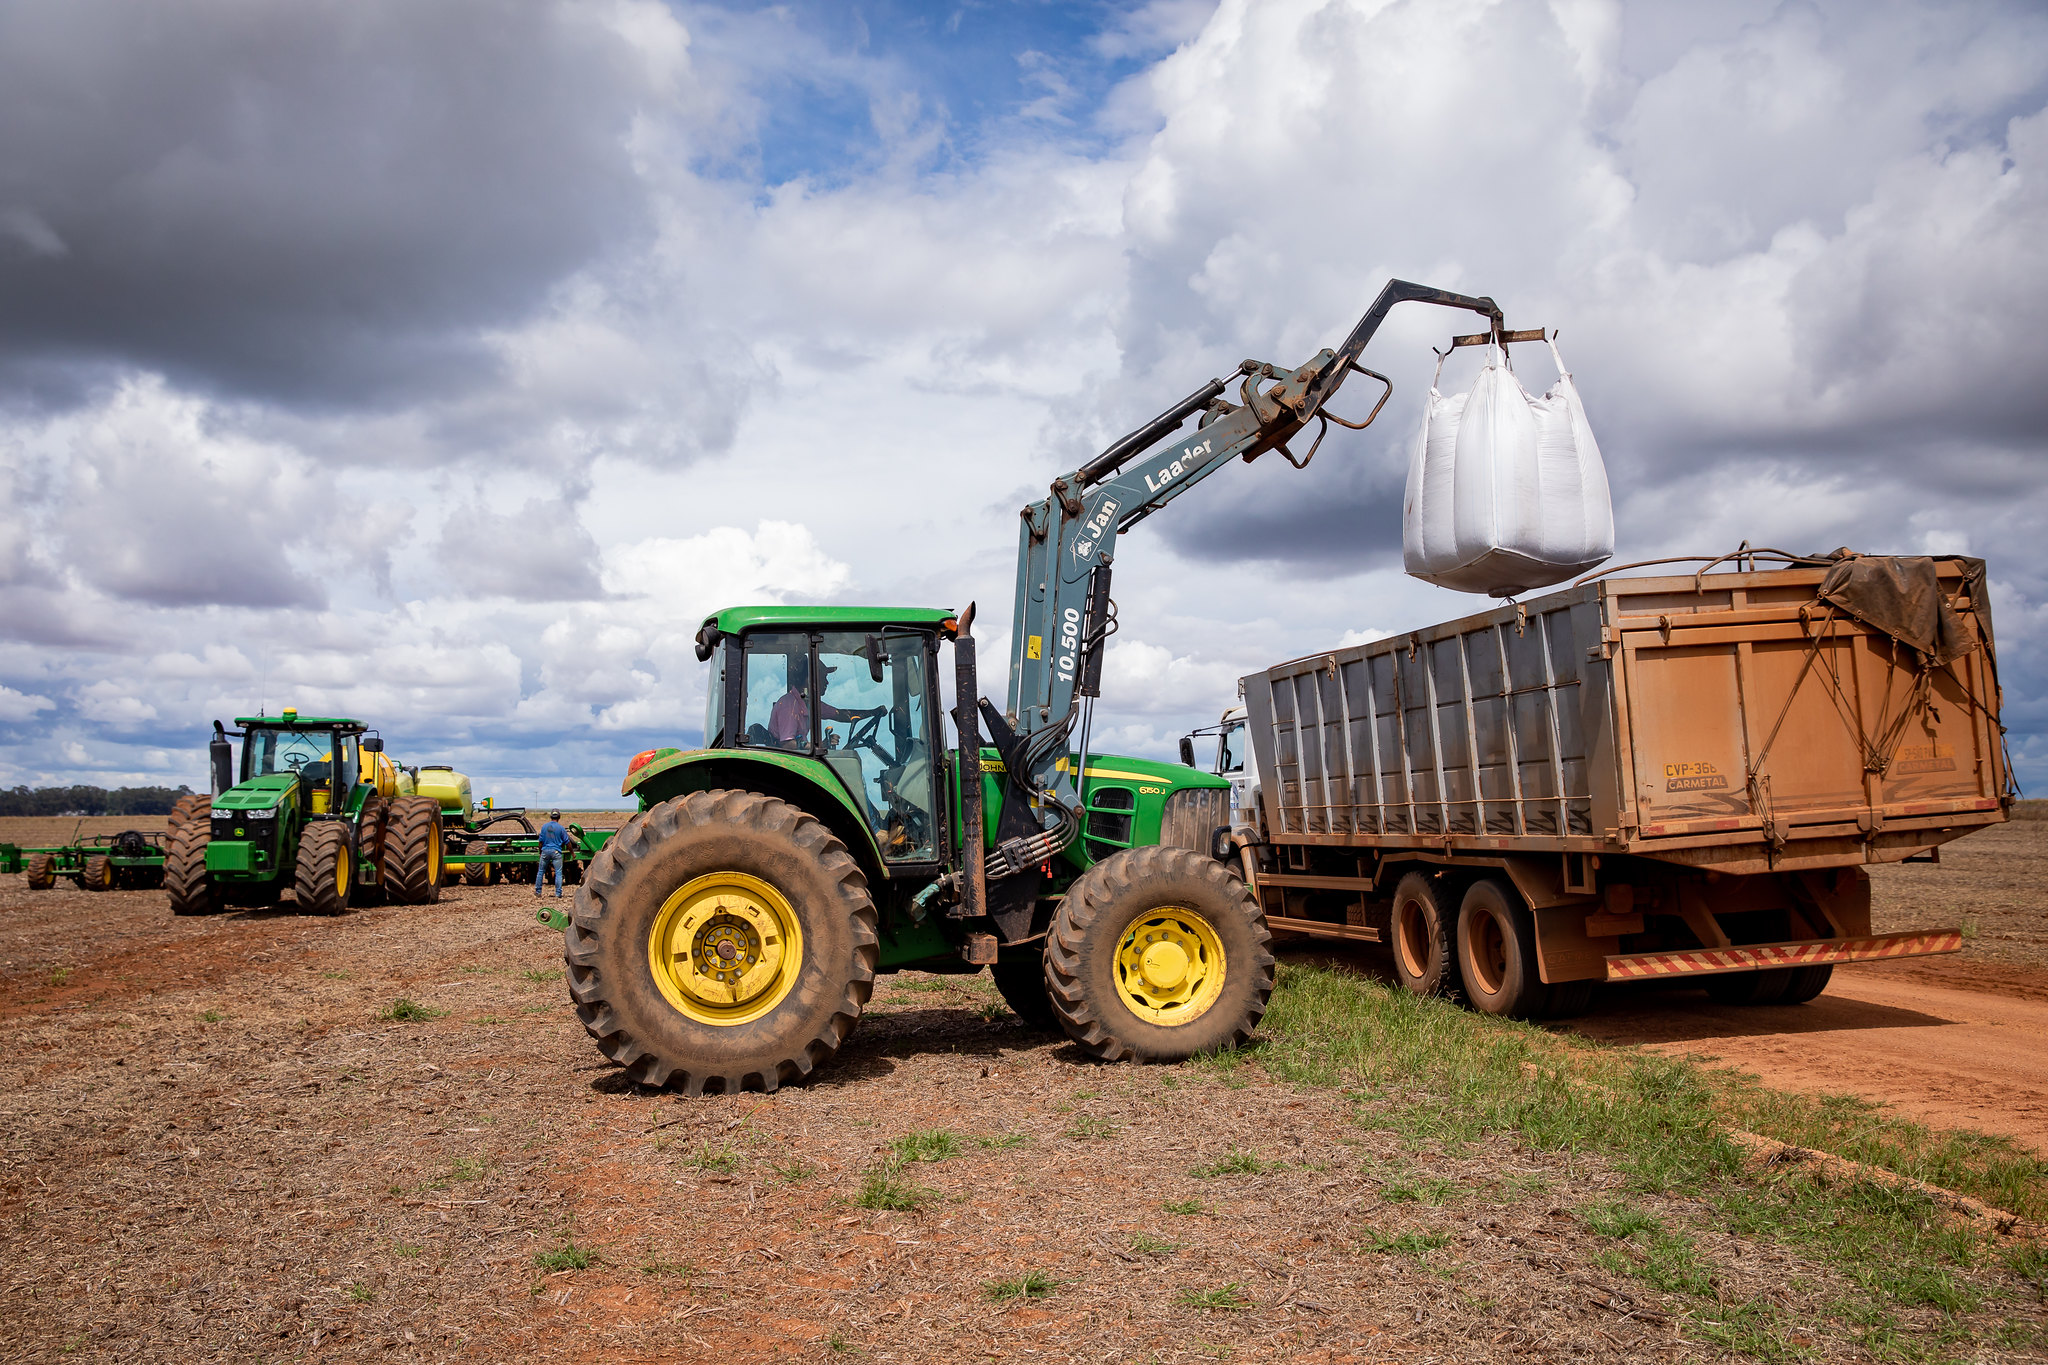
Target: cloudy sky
443, 364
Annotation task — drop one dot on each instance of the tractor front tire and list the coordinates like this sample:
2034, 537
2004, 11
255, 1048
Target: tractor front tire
1157, 955
722, 941
326, 870
1022, 984
40, 877
185, 875
412, 850
98, 874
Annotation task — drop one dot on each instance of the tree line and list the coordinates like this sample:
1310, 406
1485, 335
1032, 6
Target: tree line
90, 800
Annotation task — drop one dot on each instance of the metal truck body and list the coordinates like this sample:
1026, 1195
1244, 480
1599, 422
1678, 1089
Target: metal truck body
1677, 774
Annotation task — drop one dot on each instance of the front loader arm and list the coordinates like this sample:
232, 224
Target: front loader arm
1066, 543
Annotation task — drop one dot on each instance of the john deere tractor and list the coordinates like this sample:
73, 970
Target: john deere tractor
729, 935
315, 809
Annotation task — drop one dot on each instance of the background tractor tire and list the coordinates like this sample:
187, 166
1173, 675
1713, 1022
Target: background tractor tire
1094, 979
1422, 932
40, 877
1806, 983
325, 874
185, 875
412, 850
637, 904
98, 874
188, 808
475, 874
1022, 984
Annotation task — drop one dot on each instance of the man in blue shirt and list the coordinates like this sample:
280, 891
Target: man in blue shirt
554, 837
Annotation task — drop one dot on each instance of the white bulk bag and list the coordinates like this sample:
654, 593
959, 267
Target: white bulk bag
1506, 493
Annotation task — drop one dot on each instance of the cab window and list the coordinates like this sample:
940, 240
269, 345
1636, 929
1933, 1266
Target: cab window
1230, 749
875, 722
777, 711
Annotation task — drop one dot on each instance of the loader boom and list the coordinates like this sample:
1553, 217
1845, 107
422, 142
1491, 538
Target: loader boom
1068, 538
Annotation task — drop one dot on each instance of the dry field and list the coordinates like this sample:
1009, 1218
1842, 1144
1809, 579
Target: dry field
267, 1137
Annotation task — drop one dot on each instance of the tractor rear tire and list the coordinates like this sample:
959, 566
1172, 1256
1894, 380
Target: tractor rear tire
1157, 955
40, 877
98, 874
1806, 983
185, 875
187, 808
1022, 985
325, 873
701, 881
1422, 931
412, 850
475, 874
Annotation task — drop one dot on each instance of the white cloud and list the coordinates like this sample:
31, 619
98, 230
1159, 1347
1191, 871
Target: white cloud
20, 706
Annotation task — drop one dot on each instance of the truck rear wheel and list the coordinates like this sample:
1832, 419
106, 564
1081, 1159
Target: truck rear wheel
1425, 957
1766, 987
40, 877
326, 870
412, 850
1157, 955
1022, 986
185, 875
98, 874
1806, 983
1497, 952
722, 941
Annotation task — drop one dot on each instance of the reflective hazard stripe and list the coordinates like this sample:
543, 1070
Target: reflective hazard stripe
1705, 961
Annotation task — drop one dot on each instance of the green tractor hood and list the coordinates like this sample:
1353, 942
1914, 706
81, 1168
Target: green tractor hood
258, 793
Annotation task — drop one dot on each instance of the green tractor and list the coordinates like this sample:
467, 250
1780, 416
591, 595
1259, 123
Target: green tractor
728, 937
316, 809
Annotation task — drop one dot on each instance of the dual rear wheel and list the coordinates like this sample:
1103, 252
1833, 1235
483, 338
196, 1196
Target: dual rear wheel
1477, 941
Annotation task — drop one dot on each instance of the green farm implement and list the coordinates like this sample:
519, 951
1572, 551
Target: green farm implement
728, 937
130, 860
315, 808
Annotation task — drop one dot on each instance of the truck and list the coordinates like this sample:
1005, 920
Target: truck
1663, 777
314, 808
823, 831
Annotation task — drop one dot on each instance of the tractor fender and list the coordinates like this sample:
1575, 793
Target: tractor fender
802, 781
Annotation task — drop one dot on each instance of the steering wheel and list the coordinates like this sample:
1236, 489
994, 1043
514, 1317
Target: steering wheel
862, 734
295, 760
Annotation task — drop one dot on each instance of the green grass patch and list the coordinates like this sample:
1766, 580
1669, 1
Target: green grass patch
928, 987
406, 1251
405, 1011
926, 1144
1032, 1284
794, 1172
1003, 1142
360, 1293
540, 976
1236, 1161
1433, 1192
567, 1256
884, 1188
211, 1016
1089, 1127
61, 975
675, 1270
713, 1160
1413, 1244
1187, 1208
1145, 1244
1227, 1298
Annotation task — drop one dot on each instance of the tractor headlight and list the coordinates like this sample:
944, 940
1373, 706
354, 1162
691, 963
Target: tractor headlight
267, 813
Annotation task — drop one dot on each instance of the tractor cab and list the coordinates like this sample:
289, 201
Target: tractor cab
854, 689
322, 756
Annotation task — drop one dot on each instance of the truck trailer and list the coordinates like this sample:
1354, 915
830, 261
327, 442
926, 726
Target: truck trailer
1680, 775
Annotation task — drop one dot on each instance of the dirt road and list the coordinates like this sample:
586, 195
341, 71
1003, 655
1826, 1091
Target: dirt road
1954, 1058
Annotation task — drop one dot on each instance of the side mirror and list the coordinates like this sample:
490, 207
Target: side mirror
1187, 750
874, 653
373, 744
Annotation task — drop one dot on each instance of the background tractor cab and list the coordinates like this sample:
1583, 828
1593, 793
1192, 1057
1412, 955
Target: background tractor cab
1233, 748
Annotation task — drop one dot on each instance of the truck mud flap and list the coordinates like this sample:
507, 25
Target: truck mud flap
1709, 961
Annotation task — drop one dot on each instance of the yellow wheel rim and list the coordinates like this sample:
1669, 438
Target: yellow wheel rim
434, 855
1170, 966
726, 948
343, 861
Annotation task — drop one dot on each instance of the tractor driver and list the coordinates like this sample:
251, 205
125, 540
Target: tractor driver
789, 722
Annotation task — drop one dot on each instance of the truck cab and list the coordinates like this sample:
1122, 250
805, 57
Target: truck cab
1233, 748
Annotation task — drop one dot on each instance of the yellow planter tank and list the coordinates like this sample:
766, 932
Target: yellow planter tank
447, 786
